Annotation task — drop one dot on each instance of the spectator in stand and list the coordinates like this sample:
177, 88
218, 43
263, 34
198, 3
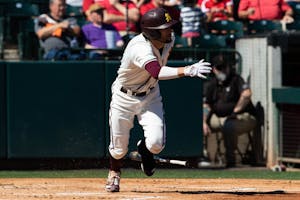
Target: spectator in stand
116, 13
75, 3
265, 10
191, 18
173, 2
138, 3
100, 35
161, 3
217, 10
173, 10
86, 4
57, 33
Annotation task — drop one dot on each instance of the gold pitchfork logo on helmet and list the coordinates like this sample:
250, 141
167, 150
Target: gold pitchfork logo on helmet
168, 17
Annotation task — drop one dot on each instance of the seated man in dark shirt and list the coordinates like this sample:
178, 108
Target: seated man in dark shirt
227, 106
56, 32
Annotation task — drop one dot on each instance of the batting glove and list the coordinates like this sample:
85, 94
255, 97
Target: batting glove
198, 69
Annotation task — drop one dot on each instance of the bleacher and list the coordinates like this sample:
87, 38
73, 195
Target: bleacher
17, 31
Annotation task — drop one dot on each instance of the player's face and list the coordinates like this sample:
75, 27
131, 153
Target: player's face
166, 35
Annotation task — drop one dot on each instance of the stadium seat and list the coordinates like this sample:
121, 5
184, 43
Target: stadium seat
180, 42
209, 41
296, 9
293, 26
263, 26
16, 13
28, 45
227, 27
21, 9
74, 11
1, 36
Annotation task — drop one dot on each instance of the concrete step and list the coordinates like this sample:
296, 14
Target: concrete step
11, 54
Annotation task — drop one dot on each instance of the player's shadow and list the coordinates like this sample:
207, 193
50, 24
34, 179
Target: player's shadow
233, 192
217, 192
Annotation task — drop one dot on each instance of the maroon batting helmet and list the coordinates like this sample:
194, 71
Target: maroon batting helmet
154, 20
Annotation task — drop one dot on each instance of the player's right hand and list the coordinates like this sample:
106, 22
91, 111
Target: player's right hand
198, 69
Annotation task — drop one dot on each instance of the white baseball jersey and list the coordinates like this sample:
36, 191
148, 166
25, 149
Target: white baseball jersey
133, 76
139, 51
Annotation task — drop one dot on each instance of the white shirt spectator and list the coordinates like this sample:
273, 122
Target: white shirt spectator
76, 3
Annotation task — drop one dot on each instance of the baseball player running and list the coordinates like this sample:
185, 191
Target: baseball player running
135, 92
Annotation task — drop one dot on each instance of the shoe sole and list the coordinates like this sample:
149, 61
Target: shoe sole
148, 173
109, 189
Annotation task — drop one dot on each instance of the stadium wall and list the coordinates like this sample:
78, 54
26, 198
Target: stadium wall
60, 110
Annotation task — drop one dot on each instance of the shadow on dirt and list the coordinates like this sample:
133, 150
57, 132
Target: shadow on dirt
217, 192
233, 192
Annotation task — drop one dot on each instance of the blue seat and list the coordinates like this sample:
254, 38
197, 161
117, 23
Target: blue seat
226, 27
74, 11
17, 13
209, 41
21, 9
263, 26
28, 45
180, 42
293, 26
296, 9
1, 36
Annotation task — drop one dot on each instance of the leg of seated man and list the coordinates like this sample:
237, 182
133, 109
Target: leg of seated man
232, 128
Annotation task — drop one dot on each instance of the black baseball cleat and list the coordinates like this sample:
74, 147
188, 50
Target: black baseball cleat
148, 162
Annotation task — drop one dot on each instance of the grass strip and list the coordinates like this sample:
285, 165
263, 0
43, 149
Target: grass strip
160, 173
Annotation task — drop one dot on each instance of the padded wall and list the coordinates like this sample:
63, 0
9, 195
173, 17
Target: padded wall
55, 109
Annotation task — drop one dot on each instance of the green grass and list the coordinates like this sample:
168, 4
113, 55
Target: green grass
160, 173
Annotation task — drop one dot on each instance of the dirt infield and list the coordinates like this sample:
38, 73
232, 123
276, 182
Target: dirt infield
145, 189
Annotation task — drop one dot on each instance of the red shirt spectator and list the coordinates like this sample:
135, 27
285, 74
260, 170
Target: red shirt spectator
218, 9
148, 6
121, 25
199, 2
172, 10
87, 3
265, 10
115, 13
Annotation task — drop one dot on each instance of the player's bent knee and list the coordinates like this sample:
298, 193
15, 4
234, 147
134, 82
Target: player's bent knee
155, 148
117, 154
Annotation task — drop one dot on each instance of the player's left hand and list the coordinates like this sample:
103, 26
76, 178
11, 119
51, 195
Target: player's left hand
198, 69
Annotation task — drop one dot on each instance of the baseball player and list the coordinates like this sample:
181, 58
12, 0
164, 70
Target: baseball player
135, 92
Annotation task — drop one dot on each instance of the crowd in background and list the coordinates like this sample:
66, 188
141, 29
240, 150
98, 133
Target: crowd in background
107, 23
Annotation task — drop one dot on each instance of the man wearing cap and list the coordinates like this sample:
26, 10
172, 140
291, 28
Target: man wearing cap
135, 92
100, 35
227, 106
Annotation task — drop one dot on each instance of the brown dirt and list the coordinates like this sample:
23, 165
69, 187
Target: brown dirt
145, 189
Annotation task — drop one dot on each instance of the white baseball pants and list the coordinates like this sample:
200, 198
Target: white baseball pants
150, 115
